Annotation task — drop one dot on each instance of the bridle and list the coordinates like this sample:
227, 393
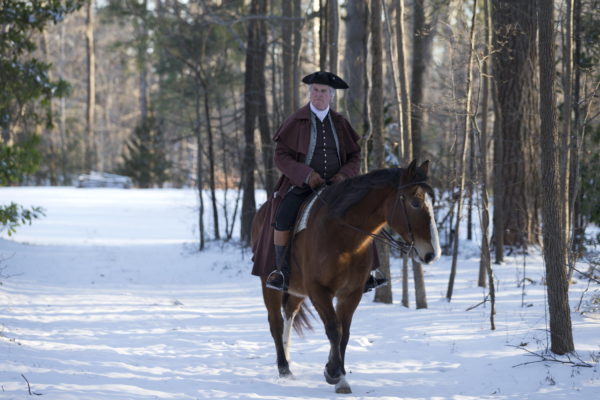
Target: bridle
385, 236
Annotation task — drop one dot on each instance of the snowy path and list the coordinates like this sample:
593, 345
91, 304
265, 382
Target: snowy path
106, 298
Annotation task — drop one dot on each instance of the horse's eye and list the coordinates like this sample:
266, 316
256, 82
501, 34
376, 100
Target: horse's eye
415, 203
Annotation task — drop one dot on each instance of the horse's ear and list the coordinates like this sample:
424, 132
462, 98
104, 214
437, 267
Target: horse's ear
411, 169
425, 167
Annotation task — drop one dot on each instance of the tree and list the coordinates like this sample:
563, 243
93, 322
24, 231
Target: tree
255, 63
355, 70
465, 145
90, 145
25, 83
145, 160
554, 239
377, 133
514, 61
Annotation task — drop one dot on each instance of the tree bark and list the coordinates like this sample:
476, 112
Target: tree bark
199, 170
254, 68
323, 35
142, 60
515, 28
406, 131
484, 263
90, 156
465, 146
298, 26
333, 28
287, 58
355, 64
211, 162
384, 293
555, 256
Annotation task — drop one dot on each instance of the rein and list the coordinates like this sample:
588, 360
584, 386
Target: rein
385, 236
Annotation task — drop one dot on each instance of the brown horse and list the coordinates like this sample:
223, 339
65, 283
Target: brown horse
331, 258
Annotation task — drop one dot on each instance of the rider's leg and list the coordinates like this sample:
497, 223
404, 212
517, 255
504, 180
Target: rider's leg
279, 278
284, 222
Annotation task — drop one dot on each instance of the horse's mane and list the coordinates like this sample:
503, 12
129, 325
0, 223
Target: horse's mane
342, 196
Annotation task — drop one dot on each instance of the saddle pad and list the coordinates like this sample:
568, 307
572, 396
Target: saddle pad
305, 211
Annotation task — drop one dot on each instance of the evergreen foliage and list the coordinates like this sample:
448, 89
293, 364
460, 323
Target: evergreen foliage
145, 157
24, 81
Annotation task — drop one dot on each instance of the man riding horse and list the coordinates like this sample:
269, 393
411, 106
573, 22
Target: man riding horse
314, 146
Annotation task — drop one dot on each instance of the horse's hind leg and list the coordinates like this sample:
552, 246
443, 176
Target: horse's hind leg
290, 308
272, 300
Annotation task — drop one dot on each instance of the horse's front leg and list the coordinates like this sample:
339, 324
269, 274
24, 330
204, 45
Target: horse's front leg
323, 303
345, 310
272, 300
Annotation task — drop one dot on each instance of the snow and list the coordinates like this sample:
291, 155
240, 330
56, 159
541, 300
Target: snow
107, 297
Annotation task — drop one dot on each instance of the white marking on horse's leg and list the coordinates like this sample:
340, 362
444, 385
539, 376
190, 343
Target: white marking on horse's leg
342, 386
435, 239
287, 335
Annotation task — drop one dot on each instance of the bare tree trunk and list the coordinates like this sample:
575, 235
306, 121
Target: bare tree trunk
405, 294
484, 263
498, 213
142, 61
465, 144
355, 62
577, 236
422, 38
323, 35
90, 157
384, 293
62, 122
199, 170
50, 139
567, 122
406, 132
555, 256
254, 67
211, 162
392, 60
287, 58
263, 116
514, 73
333, 28
298, 27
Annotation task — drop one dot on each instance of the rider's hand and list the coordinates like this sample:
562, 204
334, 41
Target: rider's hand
337, 178
315, 180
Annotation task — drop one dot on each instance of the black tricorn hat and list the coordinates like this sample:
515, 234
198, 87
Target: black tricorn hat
325, 78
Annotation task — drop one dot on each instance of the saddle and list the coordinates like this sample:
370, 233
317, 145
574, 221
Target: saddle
305, 208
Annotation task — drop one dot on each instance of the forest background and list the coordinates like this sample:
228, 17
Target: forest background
501, 97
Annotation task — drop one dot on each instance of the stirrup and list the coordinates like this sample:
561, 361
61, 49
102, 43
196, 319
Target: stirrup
276, 280
375, 281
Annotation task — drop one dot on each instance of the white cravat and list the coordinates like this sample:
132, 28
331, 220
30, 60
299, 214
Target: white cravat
321, 114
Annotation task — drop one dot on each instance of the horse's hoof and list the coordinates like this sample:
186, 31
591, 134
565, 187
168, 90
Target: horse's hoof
330, 379
285, 372
342, 386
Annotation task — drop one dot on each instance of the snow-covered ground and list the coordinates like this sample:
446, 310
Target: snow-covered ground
107, 297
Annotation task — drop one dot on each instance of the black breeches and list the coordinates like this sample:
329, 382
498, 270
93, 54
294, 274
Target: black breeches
289, 207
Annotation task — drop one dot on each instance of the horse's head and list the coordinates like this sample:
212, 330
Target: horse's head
410, 213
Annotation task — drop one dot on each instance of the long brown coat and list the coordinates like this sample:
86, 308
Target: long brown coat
290, 152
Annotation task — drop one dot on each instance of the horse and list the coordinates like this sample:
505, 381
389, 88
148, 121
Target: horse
331, 257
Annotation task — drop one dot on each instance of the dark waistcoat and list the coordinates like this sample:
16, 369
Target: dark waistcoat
325, 159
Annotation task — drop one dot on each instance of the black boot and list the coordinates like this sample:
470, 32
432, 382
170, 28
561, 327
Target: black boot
279, 278
375, 280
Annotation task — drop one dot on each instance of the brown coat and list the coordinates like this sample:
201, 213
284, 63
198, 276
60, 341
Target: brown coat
290, 152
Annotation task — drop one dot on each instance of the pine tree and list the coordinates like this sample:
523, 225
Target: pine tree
145, 160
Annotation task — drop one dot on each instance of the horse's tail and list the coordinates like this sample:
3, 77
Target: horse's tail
302, 318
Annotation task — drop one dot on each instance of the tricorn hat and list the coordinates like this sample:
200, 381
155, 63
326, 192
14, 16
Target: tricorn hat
325, 78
